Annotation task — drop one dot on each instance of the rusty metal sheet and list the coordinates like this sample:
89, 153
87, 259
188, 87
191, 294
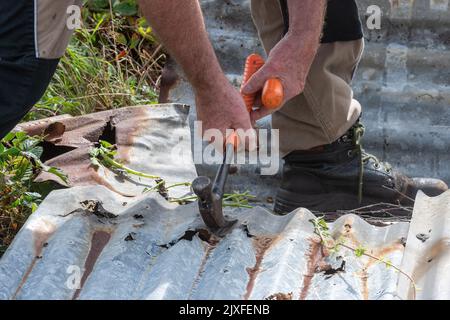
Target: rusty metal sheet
149, 139
149, 249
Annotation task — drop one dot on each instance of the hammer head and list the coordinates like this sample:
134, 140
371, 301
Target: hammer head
210, 205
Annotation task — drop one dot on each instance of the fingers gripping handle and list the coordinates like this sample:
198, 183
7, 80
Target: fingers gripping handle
253, 63
272, 93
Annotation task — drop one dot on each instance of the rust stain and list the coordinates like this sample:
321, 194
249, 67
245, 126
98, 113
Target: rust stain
128, 125
364, 283
209, 248
381, 253
347, 232
40, 238
384, 251
439, 249
280, 296
80, 134
38, 127
100, 239
261, 244
315, 263
54, 131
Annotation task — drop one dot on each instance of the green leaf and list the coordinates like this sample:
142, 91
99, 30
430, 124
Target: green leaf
21, 135
37, 151
106, 144
34, 207
360, 251
9, 137
13, 152
126, 8
33, 195
98, 4
135, 40
58, 173
122, 39
95, 162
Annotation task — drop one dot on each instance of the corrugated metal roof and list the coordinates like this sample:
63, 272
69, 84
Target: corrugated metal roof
153, 250
143, 247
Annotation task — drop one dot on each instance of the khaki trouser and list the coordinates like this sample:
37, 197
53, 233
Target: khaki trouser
52, 29
326, 108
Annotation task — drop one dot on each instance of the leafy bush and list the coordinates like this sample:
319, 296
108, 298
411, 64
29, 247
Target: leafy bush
121, 7
19, 197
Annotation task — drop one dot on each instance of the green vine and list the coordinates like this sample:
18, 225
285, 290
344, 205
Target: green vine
322, 230
104, 155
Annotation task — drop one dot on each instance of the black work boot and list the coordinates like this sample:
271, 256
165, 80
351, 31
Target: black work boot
342, 176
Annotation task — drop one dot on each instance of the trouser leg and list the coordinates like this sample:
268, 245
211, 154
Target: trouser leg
33, 35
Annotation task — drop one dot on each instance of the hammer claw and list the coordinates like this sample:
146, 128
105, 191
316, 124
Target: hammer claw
210, 197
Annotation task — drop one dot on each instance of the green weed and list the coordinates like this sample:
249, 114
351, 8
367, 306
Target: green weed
20, 196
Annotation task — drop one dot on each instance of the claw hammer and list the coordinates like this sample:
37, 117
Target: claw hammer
210, 194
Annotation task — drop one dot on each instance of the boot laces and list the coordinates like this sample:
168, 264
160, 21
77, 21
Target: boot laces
364, 158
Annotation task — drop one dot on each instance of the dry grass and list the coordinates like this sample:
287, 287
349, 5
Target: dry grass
112, 62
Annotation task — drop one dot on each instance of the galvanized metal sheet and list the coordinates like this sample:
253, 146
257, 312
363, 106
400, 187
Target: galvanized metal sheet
89, 242
153, 250
427, 254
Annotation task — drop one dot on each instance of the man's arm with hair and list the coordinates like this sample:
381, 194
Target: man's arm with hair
291, 59
180, 27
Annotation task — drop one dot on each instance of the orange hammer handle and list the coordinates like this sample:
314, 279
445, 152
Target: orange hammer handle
272, 93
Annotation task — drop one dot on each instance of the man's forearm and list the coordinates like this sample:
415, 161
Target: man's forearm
180, 26
306, 18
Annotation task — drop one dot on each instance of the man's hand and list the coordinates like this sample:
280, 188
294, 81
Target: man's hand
221, 107
290, 61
